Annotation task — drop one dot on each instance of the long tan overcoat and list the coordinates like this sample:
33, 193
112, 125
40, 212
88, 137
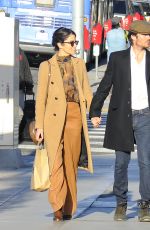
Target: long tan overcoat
51, 105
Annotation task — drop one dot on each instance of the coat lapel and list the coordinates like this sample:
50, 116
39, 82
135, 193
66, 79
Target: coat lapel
76, 66
57, 75
147, 66
127, 66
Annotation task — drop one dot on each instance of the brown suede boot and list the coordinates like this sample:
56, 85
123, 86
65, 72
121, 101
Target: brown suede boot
58, 216
144, 211
120, 213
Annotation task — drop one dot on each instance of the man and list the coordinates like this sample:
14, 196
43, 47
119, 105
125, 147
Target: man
25, 77
128, 73
116, 38
25, 87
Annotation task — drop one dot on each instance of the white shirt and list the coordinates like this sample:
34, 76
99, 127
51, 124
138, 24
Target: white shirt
139, 95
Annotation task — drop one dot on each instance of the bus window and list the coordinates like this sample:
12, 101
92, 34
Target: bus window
37, 21
137, 8
146, 8
119, 7
46, 3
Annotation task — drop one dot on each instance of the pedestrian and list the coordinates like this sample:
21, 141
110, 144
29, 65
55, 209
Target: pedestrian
25, 77
61, 103
116, 37
128, 120
25, 87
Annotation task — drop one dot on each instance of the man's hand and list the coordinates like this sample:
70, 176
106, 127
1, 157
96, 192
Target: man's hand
96, 121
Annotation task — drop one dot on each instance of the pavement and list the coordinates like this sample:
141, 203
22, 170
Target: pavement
22, 208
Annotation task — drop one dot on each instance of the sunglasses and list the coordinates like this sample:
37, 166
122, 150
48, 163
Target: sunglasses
72, 43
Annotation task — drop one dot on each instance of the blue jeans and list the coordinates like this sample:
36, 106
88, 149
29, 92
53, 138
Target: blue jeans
141, 129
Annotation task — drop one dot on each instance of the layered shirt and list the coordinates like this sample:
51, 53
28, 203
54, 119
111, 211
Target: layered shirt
69, 79
139, 95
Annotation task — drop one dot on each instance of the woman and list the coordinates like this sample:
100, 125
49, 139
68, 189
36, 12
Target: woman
61, 104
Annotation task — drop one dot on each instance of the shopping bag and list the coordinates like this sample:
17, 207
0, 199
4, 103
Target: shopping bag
40, 175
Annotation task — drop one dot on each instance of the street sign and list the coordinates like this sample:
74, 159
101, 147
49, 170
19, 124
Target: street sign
96, 50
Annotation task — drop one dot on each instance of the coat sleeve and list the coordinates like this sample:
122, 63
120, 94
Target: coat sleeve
102, 91
41, 97
86, 87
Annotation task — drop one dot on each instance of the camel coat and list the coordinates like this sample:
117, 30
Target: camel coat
51, 106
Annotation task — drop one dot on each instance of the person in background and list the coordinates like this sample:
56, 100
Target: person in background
116, 38
25, 87
63, 97
128, 121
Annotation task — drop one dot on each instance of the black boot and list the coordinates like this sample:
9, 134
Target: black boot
67, 217
144, 211
120, 213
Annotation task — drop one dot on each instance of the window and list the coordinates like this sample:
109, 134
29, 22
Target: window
119, 7
137, 9
45, 3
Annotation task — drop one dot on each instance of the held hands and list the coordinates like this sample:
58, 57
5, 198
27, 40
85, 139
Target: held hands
96, 121
39, 135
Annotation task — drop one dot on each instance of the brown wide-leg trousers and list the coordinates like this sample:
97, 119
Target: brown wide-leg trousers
63, 189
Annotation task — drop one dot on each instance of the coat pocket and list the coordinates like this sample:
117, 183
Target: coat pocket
114, 104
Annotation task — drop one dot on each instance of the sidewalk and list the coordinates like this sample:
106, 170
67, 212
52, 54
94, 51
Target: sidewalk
21, 208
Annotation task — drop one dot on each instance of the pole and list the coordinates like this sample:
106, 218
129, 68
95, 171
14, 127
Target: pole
78, 23
96, 66
96, 51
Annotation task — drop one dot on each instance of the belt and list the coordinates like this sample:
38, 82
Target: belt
140, 111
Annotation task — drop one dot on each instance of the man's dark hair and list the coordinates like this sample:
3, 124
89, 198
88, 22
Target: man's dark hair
60, 35
115, 26
130, 38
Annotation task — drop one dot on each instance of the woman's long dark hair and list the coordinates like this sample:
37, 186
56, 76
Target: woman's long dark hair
60, 35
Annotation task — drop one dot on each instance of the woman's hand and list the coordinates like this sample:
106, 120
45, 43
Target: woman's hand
39, 135
96, 121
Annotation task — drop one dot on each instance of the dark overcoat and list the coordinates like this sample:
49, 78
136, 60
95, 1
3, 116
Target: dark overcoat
119, 132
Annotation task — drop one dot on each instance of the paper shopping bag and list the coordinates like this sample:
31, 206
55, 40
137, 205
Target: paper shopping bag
40, 175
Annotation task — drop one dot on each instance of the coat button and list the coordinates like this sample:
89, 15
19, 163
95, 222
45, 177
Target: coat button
52, 82
128, 115
54, 114
128, 102
56, 98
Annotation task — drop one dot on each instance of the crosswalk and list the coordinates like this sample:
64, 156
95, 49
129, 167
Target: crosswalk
96, 136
